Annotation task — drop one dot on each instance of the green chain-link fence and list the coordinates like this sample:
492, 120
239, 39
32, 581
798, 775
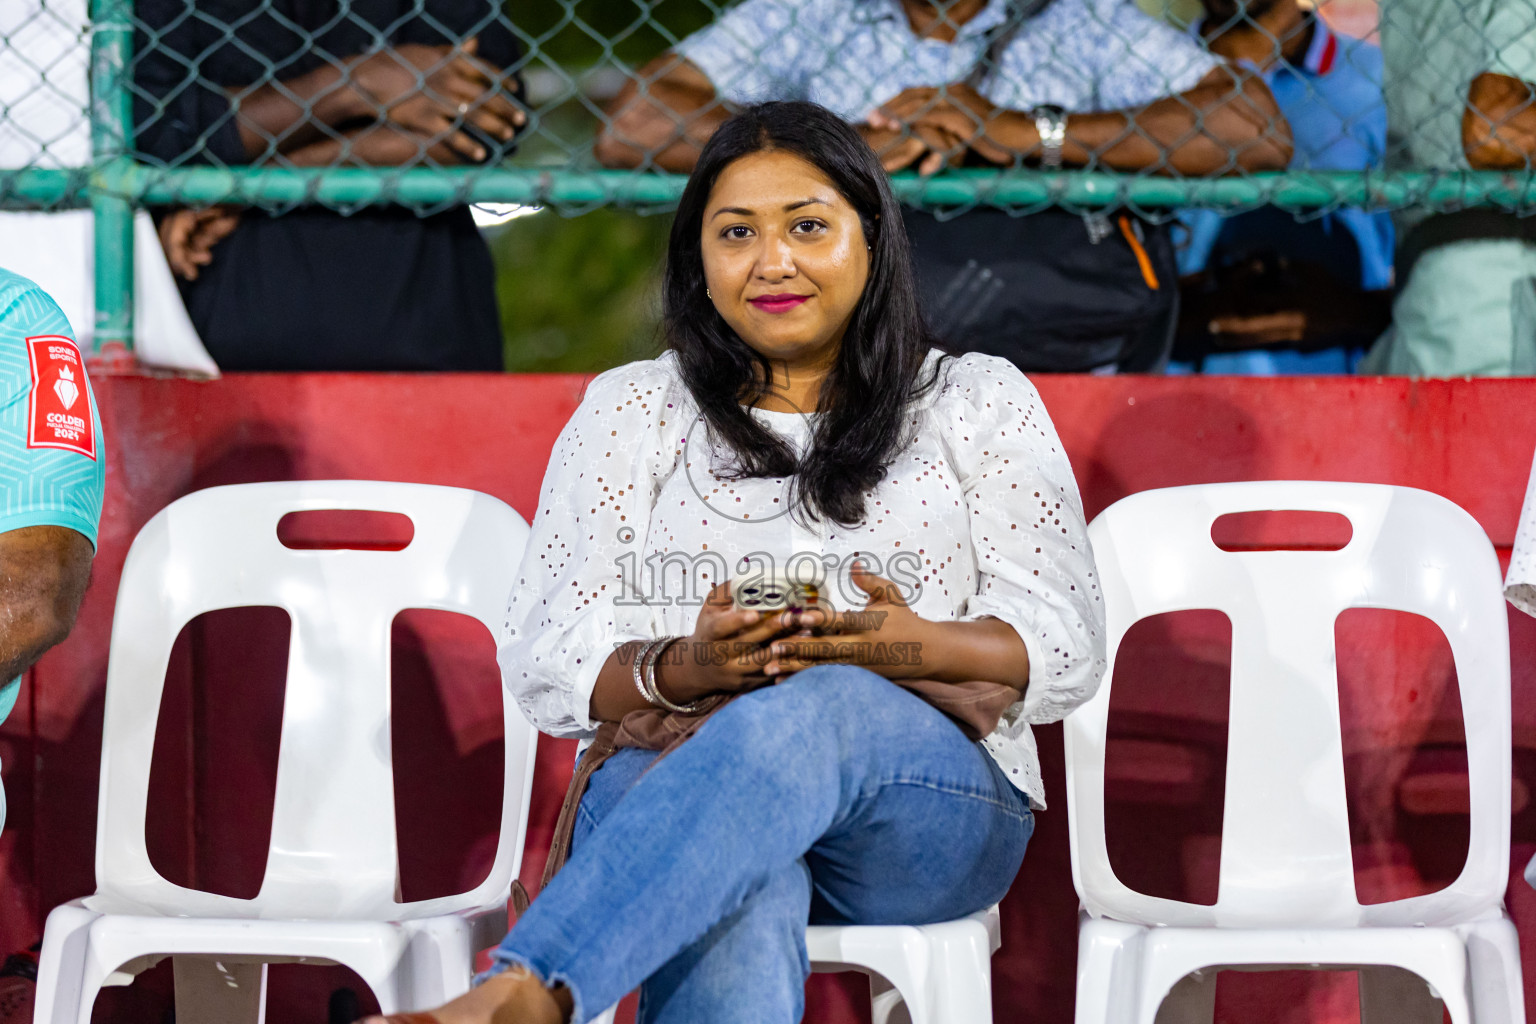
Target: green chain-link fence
346, 103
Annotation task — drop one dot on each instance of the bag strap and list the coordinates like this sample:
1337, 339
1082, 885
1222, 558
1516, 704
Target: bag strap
1460, 226
1000, 36
603, 747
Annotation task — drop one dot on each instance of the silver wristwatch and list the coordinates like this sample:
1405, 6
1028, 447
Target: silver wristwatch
1051, 125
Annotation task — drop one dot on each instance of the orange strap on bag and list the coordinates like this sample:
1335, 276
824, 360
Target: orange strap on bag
1142, 259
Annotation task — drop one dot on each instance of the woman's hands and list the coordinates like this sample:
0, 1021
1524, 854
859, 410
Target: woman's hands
885, 636
725, 653
733, 651
890, 639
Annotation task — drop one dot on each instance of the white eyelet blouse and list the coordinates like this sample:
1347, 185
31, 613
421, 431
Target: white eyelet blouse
978, 515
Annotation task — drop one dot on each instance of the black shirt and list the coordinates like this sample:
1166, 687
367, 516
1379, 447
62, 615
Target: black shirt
311, 288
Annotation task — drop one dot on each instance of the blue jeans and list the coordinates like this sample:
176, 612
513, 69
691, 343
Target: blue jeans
834, 797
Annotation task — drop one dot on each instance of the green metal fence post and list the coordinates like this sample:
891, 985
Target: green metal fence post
112, 177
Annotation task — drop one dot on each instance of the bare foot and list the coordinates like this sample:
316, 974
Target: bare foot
512, 997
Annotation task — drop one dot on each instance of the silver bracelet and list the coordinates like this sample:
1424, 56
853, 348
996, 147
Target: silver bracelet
648, 675
1051, 125
639, 670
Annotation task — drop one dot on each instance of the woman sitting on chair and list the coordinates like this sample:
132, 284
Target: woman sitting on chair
756, 772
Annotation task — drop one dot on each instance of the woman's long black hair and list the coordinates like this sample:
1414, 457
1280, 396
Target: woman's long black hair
864, 400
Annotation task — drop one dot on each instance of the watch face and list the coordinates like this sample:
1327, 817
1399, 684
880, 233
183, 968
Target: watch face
1051, 126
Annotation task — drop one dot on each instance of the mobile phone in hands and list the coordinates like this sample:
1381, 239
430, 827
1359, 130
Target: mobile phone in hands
773, 592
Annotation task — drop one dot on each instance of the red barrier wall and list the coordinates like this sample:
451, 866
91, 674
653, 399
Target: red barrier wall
213, 776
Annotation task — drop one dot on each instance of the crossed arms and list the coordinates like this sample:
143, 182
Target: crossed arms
383, 109
1228, 122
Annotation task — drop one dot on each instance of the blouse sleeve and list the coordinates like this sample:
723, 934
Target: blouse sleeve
570, 608
1035, 567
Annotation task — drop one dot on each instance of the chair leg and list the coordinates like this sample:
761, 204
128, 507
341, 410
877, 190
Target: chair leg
385, 984
1108, 956
1393, 995
1493, 957
885, 1003
437, 965
61, 968
210, 990
959, 984
1192, 1000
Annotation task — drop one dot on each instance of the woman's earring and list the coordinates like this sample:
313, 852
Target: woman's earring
707, 294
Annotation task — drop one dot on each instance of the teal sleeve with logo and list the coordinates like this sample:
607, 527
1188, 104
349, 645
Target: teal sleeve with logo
50, 474
52, 469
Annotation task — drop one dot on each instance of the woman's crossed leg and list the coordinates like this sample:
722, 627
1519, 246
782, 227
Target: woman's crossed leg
833, 797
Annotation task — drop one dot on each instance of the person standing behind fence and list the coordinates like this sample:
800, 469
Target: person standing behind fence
1460, 95
319, 83
1135, 92
1272, 293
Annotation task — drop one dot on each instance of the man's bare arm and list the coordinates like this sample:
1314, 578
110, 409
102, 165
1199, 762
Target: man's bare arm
1228, 122
288, 114
665, 114
1498, 128
43, 573
386, 145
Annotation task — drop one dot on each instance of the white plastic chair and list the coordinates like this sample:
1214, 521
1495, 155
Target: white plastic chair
1286, 892
925, 974
329, 891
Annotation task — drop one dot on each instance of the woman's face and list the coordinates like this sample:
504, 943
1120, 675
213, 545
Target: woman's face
784, 257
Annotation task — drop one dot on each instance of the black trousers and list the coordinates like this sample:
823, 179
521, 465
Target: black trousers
382, 289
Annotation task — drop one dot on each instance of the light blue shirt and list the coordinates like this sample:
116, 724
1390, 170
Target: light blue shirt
1467, 308
853, 55
1338, 119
